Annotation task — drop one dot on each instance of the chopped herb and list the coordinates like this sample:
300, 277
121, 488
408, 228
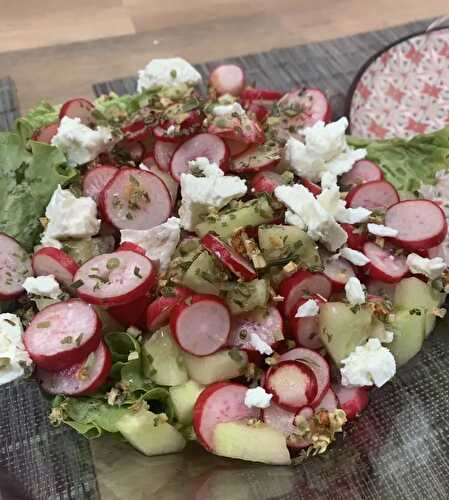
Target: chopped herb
415, 311
113, 263
243, 334
129, 215
67, 340
10, 322
137, 272
173, 73
79, 339
98, 278
77, 283
43, 324
235, 355
134, 181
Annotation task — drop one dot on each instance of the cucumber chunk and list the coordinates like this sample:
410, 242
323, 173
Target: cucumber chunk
83, 250
413, 293
342, 330
409, 327
204, 275
256, 443
222, 365
167, 363
151, 437
249, 214
247, 296
184, 398
286, 243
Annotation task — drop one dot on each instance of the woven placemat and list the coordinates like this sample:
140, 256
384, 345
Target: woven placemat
9, 105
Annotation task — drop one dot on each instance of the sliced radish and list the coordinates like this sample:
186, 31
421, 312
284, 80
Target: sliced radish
304, 331
266, 182
356, 236
202, 145
302, 284
136, 130
163, 152
15, 266
227, 79
284, 421
292, 383
184, 130
257, 158
132, 247
311, 186
362, 171
135, 199
237, 128
49, 260
218, 403
158, 312
96, 179
268, 326
163, 134
259, 111
165, 177
115, 278
385, 264
421, 224
266, 95
352, 400
375, 195
338, 271
62, 334
317, 364
131, 314
46, 133
131, 150
237, 264
80, 378
329, 402
78, 108
201, 327
236, 148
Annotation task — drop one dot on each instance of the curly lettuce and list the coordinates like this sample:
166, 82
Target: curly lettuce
39, 116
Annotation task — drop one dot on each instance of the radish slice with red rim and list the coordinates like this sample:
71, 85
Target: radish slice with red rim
317, 363
328, 403
201, 326
96, 179
132, 247
258, 111
236, 148
338, 271
292, 383
237, 264
352, 400
375, 195
128, 151
357, 236
311, 186
158, 312
165, 177
62, 334
385, 263
115, 278
305, 330
15, 266
46, 133
78, 108
202, 145
284, 421
81, 378
131, 314
266, 182
135, 199
237, 128
421, 224
163, 152
49, 260
136, 130
227, 79
301, 284
254, 94
257, 158
362, 171
218, 403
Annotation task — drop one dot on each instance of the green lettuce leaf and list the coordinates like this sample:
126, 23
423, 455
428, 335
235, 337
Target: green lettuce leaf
408, 163
39, 116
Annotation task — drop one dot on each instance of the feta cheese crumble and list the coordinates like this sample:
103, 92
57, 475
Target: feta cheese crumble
354, 291
257, 397
259, 344
382, 231
228, 109
167, 72
324, 150
80, 143
44, 286
432, 268
354, 257
369, 364
199, 194
159, 242
69, 217
13, 355
207, 168
308, 309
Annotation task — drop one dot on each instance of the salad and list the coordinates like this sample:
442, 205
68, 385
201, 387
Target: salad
229, 268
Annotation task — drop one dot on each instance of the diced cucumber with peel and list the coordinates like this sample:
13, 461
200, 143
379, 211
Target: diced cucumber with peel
167, 365
343, 328
217, 367
285, 243
247, 296
409, 332
203, 275
84, 249
413, 293
250, 214
149, 434
184, 398
256, 443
